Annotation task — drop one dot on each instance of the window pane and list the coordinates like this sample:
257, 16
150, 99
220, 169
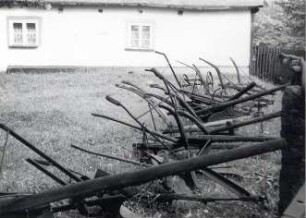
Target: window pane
145, 44
135, 32
135, 43
146, 32
17, 33
135, 36
31, 33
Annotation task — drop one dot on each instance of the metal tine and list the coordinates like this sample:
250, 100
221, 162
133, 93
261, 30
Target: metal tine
110, 157
45, 171
162, 99
217, 70
152, 116
132, 84
175, 92
157, 86
202, 79
40, 153
236, 69
207, 100
135, 127
151, 103
196, 70
166, 82
190, 177
190, 117
143, 127
171, 68
238, 75
139, 93
230, 81
161, 77
184, 104
155, 105
177, 118
186, 79
131, 89
193, 95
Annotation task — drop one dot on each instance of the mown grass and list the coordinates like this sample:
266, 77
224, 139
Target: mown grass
53, 111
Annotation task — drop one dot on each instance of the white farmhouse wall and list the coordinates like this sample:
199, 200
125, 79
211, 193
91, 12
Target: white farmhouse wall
85, 37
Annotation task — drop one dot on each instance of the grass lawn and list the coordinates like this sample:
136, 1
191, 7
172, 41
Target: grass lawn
53, 111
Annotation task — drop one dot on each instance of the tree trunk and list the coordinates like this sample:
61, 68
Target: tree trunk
292, 175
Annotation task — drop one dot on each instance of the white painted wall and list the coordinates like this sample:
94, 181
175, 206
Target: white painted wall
82, 36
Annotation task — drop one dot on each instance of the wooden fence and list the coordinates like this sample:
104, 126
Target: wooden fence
266, 65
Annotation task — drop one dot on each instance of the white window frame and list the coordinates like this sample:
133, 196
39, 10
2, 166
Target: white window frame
129, 45
24, 21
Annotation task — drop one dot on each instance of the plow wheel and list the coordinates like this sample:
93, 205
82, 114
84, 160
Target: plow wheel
209, 83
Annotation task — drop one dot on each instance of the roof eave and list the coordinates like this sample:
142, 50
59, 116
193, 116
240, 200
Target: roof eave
9, 3
171, 7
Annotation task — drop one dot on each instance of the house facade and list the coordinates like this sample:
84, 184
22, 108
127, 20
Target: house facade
126, 33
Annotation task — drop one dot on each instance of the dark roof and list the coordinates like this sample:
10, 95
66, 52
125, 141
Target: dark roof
200, 5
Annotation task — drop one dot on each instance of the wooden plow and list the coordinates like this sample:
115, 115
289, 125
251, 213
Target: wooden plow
194, 125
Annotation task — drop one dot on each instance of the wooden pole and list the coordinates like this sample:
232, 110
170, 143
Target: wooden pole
119, 181
223, 105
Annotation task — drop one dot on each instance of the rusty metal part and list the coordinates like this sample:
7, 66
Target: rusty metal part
45, 171
143, 127
236, 69
170, 66
217, 70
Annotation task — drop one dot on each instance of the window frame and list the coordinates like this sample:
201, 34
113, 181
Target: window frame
24, 21
140, 24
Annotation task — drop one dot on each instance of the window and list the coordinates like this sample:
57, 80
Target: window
23, 32
140, 36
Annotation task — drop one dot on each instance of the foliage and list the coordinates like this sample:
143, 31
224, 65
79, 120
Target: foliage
281, 23
294, 10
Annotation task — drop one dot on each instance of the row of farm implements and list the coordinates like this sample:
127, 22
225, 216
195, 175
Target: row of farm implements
193, 122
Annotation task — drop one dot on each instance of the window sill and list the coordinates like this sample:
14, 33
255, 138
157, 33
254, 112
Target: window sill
140, 49
23, 46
